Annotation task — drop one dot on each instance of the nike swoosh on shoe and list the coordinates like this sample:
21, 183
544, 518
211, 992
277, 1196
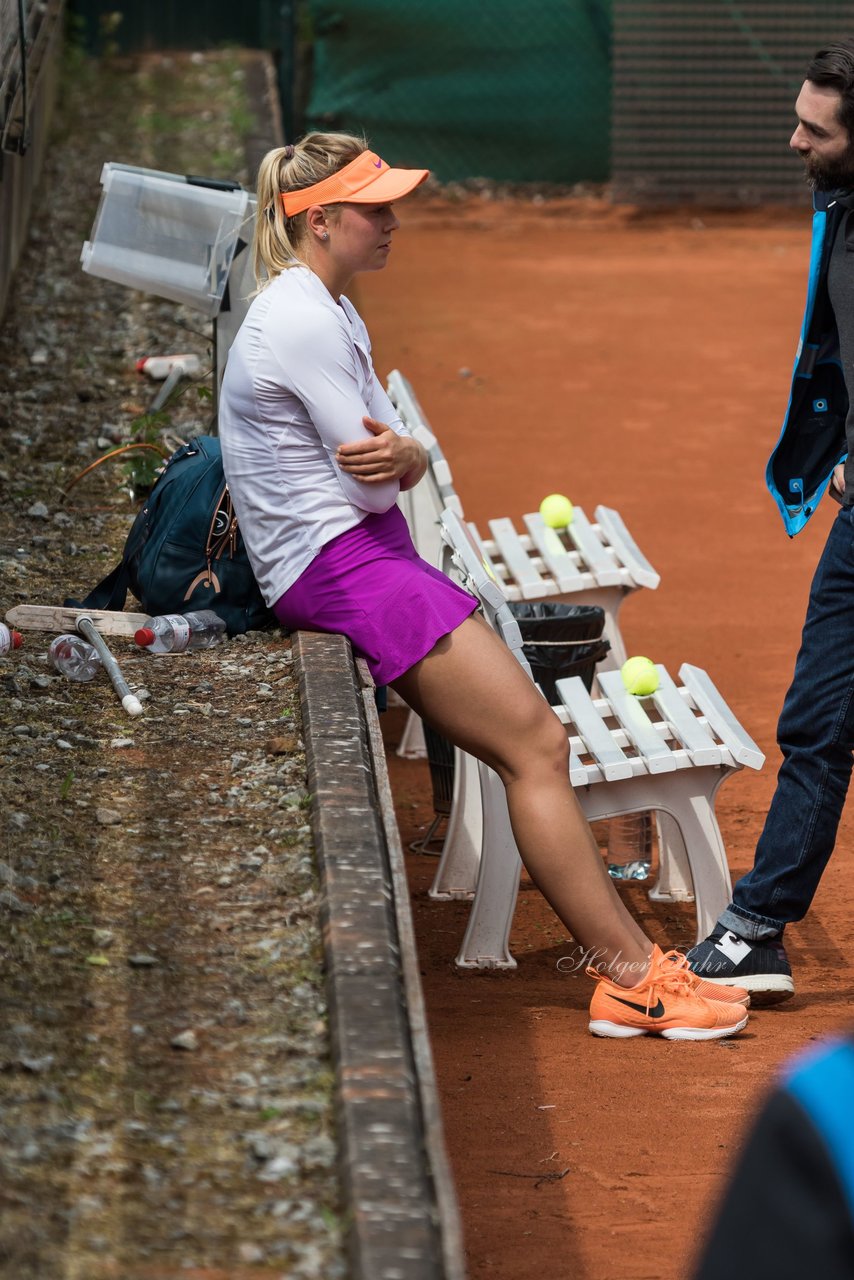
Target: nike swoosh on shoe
654, 1011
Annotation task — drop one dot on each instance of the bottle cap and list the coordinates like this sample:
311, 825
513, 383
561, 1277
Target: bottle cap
145, 636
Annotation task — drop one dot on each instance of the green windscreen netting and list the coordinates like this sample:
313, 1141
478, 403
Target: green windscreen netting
468, 88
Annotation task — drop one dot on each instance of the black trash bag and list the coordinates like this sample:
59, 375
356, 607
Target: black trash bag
556, 620
561, 640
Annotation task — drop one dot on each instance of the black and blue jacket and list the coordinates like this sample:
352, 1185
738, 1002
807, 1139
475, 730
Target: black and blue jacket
812, 440
788, 1212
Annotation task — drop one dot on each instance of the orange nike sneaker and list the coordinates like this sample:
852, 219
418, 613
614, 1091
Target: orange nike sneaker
708, 990
664, 1004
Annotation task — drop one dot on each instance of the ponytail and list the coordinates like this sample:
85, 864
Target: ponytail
278, 238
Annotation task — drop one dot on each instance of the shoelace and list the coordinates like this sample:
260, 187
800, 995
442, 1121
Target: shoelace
675, 972
679, 962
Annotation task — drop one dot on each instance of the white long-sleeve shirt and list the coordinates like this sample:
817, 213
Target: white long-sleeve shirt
298, 382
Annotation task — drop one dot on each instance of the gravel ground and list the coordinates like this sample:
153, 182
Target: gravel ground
165, 1078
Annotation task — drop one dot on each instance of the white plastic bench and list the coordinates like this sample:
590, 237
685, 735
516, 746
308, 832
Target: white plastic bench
590, 562
668, 753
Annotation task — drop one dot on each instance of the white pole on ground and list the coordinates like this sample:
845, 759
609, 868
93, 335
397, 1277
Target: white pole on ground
129, 701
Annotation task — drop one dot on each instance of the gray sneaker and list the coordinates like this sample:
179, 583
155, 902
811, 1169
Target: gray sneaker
761, 967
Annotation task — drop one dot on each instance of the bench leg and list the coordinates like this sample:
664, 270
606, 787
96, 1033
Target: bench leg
611, 631
456, 874
674, 871
695, 847
704, 848
486, 941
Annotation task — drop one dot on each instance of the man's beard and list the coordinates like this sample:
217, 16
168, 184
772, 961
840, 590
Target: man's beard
831, 175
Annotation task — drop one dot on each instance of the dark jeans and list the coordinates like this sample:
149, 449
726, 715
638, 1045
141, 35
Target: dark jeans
816, 737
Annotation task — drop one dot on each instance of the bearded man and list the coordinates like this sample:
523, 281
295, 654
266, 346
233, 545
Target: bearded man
814, 455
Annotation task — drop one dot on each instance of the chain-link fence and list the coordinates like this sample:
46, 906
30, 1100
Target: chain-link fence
14, 20
27, 28
704, 94
136, 25
30, 32
519, 93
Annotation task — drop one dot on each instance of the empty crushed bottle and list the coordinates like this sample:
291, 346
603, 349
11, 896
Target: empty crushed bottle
9, 639
74, 658
638, 870
177, 632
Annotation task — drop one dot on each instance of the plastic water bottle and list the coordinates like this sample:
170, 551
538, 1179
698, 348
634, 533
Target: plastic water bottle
176, 632
74, 658
630, 847
159, 367
9, 639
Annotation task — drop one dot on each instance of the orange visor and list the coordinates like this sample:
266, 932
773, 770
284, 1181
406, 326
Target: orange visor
365, 180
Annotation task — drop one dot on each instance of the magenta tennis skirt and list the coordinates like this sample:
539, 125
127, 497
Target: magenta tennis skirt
371, 585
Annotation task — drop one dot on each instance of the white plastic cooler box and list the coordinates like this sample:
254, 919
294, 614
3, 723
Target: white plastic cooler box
166, 234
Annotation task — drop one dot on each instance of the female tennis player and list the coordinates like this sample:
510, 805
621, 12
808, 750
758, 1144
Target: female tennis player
315, 457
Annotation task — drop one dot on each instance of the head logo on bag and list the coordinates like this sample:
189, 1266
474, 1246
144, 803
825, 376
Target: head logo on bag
185, 548
207, 578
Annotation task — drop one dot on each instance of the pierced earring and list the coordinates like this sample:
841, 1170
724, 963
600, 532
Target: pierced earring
325, 235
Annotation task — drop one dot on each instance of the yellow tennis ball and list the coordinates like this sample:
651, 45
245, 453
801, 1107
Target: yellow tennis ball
556, 511
639, 676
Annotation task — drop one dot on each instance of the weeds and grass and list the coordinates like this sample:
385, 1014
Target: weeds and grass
175, 128
71, 917
289, 840
183, 130
153, 436
335, 1222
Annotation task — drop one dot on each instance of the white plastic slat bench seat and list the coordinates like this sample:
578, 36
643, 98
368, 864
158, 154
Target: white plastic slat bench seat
602, 561
520, 571
668, 752
592, 731
561, 565
603, 570
643, 734
612, 530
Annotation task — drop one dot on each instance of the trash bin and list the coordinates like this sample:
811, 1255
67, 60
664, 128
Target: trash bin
561, 640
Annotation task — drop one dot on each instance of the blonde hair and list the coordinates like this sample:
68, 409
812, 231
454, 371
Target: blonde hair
315, 157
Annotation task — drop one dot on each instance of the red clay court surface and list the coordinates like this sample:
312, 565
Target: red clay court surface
643, 363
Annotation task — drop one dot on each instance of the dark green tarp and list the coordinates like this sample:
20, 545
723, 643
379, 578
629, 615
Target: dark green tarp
469, 88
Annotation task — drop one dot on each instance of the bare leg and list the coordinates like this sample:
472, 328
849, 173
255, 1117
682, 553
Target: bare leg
472, 689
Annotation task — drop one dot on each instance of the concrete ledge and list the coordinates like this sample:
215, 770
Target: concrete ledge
399, 1196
